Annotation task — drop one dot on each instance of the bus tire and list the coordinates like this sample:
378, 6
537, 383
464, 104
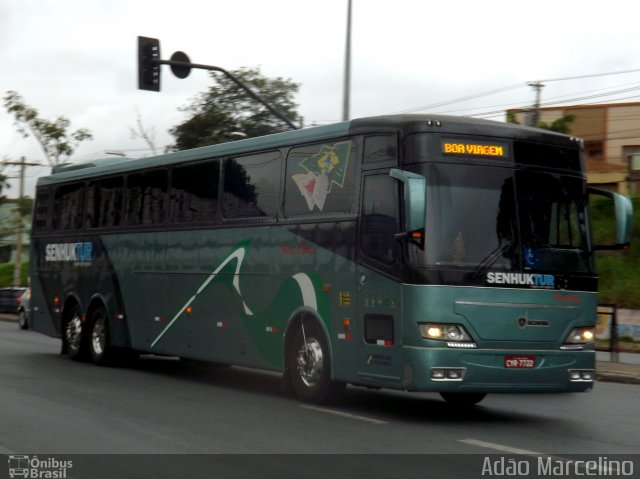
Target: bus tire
75, 337
309, 366
463, 399
99, 340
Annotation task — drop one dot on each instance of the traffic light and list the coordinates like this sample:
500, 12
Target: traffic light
148, 64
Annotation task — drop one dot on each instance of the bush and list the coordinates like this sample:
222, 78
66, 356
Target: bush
6, 274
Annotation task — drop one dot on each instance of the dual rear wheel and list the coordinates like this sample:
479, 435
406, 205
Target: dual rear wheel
88, 339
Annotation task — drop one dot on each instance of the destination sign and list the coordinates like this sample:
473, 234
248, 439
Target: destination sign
466, 148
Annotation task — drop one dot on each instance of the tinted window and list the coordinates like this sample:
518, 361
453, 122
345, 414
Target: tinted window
104, 203
194, 192
252, 186
147, 198
321, 178
380, 218
68, 207
380, 148
41, 211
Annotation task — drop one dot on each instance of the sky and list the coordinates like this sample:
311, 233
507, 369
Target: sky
77, 58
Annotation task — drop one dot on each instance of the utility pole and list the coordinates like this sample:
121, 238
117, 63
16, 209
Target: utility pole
17, 270
535, 116
347, 69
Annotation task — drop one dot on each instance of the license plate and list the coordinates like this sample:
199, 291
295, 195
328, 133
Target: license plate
519, 362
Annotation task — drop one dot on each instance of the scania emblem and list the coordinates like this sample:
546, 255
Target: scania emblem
522, 322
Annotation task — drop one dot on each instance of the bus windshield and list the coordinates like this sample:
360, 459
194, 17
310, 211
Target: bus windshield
487, 217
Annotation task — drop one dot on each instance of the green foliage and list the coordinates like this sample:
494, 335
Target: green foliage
53, 137
226, 110
6, 274
618, 271
561, 125
4, 183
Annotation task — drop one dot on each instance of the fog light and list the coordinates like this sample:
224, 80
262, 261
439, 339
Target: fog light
454, 374
447, 374
586, 375
581, 375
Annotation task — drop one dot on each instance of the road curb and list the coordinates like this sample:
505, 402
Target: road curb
618, 378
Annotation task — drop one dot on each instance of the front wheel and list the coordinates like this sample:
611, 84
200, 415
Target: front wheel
309, 363
463, 399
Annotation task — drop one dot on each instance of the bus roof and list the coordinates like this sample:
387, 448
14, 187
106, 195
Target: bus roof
409, 123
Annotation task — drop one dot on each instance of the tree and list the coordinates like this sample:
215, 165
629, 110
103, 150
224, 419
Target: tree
4, 183
225, 111
561, 125
56, 142
148, 135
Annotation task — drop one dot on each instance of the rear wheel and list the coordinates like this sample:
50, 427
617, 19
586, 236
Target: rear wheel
309, 364
74, 337
99, 347
463, 399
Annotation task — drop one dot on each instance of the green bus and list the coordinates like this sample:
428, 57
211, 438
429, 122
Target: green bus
410, 252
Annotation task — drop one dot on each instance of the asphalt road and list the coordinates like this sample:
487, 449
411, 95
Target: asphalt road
52, 405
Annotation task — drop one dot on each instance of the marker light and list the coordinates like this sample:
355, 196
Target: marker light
580, 336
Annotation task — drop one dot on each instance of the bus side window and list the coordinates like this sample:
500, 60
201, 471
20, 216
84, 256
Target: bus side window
194, 192
68, 208
252, 186
380, 219
41, 211
321, 179
147, 198
378, 148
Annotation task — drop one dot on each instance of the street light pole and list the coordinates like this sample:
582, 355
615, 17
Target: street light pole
347, 69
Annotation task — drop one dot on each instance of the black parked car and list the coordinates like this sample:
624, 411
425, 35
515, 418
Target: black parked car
10, 298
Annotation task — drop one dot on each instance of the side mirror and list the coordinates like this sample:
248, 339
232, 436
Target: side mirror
414, 203
623, 213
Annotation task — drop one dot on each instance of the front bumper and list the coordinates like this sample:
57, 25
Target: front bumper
485, 371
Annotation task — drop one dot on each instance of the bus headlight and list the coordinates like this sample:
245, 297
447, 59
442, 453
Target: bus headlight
444, 332
581, 336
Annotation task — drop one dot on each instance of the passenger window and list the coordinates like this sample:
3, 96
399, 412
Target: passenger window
147, 198
194, 192
104, 203
68, 207
252, 186
380, 148
321, 178
41, 211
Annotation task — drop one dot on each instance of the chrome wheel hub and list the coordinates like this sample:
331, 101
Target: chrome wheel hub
98, 337
310, 362
73, 333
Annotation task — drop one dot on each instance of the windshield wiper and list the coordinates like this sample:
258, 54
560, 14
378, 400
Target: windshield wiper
490, 260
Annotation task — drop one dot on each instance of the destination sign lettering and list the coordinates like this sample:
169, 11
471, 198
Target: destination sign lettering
494, 150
